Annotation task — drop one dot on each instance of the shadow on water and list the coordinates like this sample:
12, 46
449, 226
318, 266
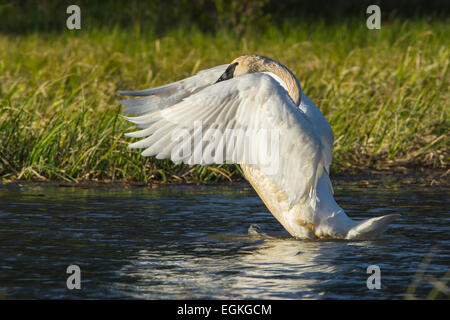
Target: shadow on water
189, 242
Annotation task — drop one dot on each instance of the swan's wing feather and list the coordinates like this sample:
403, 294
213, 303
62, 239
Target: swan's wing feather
167, 95
238, 119
322, 127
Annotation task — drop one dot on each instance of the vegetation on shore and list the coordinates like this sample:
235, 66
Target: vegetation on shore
385, 93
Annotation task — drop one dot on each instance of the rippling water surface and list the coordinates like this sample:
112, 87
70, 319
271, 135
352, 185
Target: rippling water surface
191, 242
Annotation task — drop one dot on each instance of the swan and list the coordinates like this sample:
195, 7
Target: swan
236, 100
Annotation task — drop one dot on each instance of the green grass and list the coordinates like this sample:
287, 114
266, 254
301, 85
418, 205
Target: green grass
385, 93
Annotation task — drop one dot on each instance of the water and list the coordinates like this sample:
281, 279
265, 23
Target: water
191, 242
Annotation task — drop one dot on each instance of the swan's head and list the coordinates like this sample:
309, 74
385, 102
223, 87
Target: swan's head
250, 63
253, 63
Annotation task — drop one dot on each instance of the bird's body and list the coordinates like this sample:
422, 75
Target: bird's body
253, 104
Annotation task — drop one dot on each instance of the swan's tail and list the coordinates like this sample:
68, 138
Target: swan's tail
370, 229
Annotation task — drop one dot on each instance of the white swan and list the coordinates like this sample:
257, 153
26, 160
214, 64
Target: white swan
253, 93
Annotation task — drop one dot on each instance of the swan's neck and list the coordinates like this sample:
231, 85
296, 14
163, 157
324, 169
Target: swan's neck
292, 84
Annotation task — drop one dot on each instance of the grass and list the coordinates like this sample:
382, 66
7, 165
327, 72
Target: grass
385, 93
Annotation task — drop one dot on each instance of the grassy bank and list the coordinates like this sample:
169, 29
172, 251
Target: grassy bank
385, 93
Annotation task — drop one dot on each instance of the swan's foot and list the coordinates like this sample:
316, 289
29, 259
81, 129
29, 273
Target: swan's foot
370, 229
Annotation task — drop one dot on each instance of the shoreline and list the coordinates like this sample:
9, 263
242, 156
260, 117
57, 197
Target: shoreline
425, 177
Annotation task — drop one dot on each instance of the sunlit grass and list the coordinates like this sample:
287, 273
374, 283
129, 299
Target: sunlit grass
385, 93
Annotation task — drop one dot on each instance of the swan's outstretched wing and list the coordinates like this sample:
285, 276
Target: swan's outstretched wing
233, 121
167, 95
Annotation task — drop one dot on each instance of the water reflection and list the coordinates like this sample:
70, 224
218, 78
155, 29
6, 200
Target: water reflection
263, 268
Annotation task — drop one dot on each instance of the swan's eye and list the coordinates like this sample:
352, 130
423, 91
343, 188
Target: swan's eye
228, 74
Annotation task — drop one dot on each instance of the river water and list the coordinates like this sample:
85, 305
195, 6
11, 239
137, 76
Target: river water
192, 242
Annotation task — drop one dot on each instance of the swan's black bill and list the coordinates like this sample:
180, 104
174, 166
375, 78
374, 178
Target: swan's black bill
228, 74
